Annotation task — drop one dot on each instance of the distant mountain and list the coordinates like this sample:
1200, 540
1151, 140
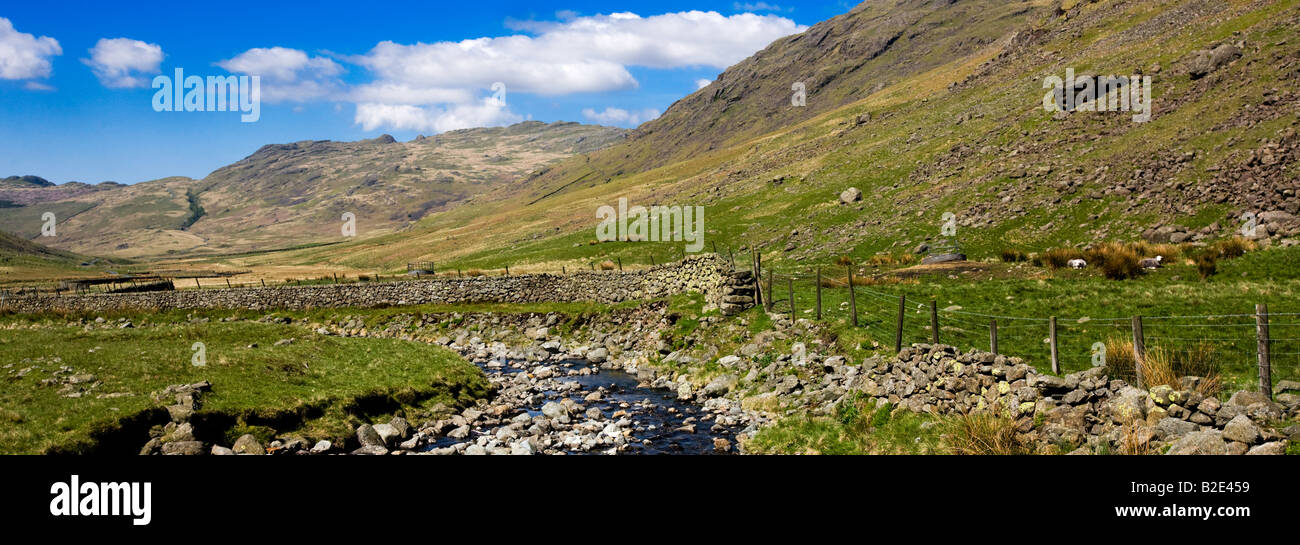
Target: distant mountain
292, 194
25, 181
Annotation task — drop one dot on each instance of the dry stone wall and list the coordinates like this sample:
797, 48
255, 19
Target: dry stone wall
706, 273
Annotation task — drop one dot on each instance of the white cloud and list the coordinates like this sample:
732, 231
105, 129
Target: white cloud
288, 74
436, 86
759, 6
123, 63
581, 54
702, 83
485, 113
24, 56
621, 117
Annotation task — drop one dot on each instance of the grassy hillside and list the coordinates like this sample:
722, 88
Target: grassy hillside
966, 136
23, 261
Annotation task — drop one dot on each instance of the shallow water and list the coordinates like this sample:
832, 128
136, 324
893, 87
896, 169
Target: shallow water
657, 414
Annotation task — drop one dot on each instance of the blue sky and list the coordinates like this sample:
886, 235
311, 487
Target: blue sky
76, 95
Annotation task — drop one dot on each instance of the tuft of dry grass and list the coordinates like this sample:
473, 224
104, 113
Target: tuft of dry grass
1152, 249
1059, 258
1134, 441
843, 281
607, 265
1118, 261
844, 261
985, 434
891, 260
1166, 366
1207, 264
1013, 256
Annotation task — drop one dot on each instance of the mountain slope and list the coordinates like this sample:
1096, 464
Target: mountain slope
967, 136
294, 194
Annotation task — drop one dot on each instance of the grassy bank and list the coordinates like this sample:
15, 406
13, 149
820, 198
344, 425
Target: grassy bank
257, 386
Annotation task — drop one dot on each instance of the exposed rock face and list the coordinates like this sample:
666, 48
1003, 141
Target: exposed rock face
1202, 62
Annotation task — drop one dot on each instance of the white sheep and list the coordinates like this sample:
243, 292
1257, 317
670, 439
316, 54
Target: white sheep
1150, 263
1077, 263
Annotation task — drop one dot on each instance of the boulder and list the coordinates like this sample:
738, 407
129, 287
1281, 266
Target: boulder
183, 448
850, 195
1242, 429
1169, 428
247, 444
721, 385
368, 437
1201, 442
1275, 448
388, 435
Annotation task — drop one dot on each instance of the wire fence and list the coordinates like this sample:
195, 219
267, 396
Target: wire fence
1242, 350
1238, 346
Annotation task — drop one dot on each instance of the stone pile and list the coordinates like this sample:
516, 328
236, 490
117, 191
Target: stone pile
737, 293
177, 435
704, 273
1084, 409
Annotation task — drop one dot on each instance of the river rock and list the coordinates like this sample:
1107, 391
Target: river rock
247, 444
368, 437
388, 435
183, 448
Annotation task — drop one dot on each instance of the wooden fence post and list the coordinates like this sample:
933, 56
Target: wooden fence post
227, 282
819, 294
652, 260
993, 335
1265, 366
934, 322
263, 282
898, 331
620, 264
507, 270
563, 271
853, 298
789, 284
196, 283
769, 300
1051, 336
1139, 351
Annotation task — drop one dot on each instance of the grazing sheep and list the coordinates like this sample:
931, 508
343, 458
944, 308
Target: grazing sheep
1077, 263
1150, 263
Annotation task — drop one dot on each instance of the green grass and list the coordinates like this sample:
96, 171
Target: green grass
854, 429
317, 387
